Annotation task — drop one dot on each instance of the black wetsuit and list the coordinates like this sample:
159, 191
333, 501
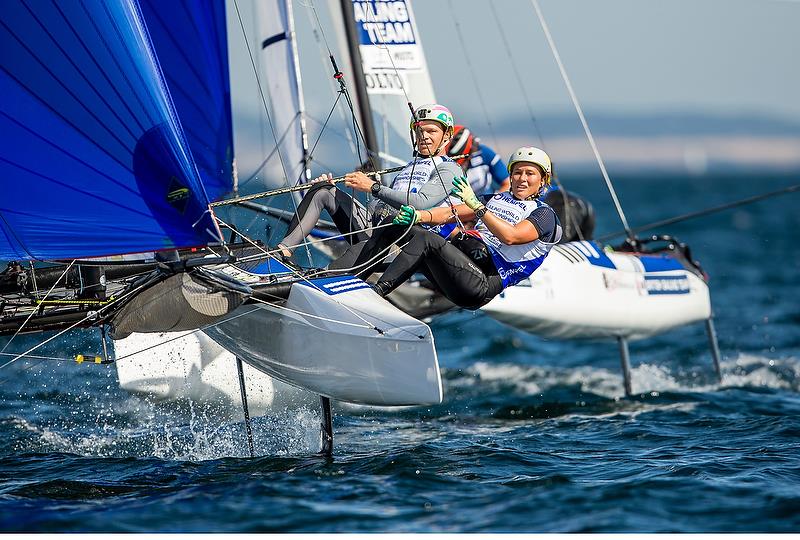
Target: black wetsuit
462, 268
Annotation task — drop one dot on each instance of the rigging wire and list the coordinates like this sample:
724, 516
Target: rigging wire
414, 144
276, 251
309, 157
37, 361
264, 103
582, 118
478, 92
271, 153
307, 277
359, 135
514, 69
33, 311
314, 21
339, 76
705, 212
90, 315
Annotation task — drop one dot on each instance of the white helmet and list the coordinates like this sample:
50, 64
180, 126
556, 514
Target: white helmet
531, 154
435, 112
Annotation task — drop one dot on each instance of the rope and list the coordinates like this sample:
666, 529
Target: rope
311, 315
64, 273
582, 118
38, 357
567, 209
464, 49
307, 277
707, 211
301, 277
290, 189
91, 315
264, 103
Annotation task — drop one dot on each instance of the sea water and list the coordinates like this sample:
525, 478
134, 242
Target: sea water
532, 435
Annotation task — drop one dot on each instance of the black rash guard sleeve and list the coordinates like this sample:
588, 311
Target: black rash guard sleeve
546, 223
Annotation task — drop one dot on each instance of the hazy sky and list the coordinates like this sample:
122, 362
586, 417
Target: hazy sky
621, 55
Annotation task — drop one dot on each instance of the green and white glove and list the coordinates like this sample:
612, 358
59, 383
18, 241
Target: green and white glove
406, 216
463, 191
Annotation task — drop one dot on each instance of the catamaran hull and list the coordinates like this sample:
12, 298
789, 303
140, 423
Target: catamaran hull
582, 292
191, 366
339, 339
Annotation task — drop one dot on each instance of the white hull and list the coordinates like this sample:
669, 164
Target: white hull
325, 340
582, 292
183, 365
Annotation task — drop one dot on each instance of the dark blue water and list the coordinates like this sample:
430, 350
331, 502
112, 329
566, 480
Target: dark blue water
533, 435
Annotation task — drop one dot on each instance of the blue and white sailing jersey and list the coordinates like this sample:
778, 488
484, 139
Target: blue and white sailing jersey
486, 171
517, 262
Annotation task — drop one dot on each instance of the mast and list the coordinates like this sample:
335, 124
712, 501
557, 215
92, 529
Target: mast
298, 81
364, 109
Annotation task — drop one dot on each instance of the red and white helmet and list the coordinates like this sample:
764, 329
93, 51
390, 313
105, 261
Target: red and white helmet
463, 142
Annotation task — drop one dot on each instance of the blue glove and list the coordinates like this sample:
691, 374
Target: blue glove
463, 191
406, 216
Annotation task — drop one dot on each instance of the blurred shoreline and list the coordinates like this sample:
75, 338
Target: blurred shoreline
646, 144
694, 155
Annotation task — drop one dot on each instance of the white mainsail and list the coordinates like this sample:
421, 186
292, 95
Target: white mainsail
277, 54
394, 67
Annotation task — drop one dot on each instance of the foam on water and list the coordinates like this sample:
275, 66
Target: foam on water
532, 435
167, 434
744, 370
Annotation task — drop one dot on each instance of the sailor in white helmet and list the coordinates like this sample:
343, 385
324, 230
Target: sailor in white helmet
423, 183
514, 233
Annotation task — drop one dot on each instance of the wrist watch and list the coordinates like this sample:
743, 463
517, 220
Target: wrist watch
375, 188
480, 212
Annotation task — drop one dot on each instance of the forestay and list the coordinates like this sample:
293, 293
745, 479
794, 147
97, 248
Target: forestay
394, 65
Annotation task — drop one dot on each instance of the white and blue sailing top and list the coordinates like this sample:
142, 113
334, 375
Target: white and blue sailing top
423, 183
486, 171
516, 262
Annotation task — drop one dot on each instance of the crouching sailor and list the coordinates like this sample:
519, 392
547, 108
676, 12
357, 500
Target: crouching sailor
421, 183
514, 233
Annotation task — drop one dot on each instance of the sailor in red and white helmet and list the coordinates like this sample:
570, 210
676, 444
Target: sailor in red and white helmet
515, 232
423, 183
485, 170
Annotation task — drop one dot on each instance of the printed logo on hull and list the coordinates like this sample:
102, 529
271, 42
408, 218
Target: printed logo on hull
667, 284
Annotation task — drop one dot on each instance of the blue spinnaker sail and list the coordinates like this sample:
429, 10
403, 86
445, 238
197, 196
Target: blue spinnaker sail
92, 158
190, 39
